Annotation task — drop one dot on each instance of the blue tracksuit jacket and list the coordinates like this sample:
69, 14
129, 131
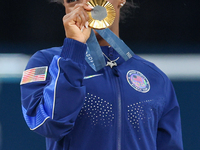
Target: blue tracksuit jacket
129, 107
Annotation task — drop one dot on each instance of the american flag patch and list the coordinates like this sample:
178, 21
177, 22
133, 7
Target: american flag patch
34, 75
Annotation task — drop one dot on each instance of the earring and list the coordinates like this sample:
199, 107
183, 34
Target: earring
122, 4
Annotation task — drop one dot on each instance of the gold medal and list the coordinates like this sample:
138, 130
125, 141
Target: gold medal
103, 14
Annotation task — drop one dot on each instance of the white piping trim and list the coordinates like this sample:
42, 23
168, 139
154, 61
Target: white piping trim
54, 99
40, 124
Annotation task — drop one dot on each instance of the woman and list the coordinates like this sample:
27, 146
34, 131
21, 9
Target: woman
129, 106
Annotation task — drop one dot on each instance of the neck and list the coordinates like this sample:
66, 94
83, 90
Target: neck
114, 28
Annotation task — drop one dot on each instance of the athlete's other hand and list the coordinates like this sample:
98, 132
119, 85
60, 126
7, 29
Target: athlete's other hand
76, 20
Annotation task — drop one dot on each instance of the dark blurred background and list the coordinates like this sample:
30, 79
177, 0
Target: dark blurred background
156, 27
34, 24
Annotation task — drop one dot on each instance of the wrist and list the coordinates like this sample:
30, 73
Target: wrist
74, 50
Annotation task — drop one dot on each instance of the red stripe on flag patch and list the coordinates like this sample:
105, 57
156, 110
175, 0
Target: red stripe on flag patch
34, 75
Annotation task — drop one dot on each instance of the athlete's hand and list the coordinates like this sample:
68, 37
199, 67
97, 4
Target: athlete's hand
76, 22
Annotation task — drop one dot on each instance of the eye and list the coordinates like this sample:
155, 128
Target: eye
69, 1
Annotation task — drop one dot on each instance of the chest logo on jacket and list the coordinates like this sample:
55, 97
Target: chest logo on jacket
138, 81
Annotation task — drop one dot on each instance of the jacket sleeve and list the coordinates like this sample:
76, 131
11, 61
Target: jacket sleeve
50, 107
169, 136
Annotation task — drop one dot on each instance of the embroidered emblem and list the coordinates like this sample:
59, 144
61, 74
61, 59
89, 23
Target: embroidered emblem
138, 81
34, 75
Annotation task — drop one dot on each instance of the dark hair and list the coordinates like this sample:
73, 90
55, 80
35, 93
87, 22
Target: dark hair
126, 11
57, 1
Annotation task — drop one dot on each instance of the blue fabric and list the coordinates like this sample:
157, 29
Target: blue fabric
37, 120
105, 111
50, 91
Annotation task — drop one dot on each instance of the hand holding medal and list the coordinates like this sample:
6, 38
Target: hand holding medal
76, 20
100, 15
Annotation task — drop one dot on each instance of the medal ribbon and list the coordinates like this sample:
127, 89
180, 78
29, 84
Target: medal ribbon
94, 55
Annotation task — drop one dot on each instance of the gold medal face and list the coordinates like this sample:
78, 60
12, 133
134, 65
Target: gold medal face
103, 14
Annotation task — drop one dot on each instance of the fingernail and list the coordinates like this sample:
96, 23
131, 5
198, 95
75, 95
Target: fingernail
91, 6
86, 24
82, 28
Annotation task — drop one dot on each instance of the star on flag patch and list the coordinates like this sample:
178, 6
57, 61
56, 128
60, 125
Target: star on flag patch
34, 75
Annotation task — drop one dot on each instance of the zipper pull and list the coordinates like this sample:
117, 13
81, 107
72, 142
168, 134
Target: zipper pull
115, 71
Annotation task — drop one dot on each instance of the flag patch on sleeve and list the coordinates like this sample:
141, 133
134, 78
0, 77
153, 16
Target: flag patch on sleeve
34, 75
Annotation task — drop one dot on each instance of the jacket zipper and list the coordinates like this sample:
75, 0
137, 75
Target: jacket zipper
119, 119
119, 108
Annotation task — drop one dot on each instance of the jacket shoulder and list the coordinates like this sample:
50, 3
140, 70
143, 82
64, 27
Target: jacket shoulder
43, 57
151, 66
